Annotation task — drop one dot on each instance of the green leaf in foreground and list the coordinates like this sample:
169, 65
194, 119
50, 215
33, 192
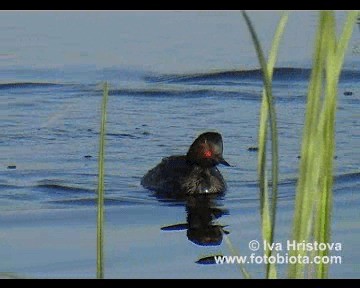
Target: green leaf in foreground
267, 113
313, 203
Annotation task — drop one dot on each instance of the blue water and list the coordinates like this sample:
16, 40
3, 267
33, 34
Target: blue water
172, 76
49, 131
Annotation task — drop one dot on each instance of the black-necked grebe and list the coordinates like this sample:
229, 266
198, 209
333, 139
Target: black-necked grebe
193, 173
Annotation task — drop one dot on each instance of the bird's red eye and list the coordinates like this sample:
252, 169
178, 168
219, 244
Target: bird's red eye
207, 153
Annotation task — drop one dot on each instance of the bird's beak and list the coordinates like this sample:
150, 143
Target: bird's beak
222, 161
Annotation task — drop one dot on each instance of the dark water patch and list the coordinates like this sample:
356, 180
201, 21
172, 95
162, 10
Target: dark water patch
280, 73
347, 178
122, 135
348, 189
21, 196
72, 131
208, 260
125, 135
223, 93
161, 92
22, 105
107, 201
21, 85
255, 74
54, 187
189, 93
7, 186
85, 201
62, 90
212, 92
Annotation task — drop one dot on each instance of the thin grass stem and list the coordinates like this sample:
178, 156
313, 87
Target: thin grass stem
101, 189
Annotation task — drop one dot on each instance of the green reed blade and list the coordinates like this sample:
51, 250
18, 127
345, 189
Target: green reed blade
101, 188
267, 112
235, 253
310, 157
334, 62
313, 203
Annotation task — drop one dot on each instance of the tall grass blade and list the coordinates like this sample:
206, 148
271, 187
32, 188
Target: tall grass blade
101, 189
313, 203
231, 248
333, 65
267, 113
323, 197
304, 200
235, 253
268, 226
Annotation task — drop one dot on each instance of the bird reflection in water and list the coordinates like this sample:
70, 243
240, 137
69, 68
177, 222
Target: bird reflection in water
202, 211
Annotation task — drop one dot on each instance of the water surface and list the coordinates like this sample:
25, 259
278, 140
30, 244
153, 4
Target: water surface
49, 127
